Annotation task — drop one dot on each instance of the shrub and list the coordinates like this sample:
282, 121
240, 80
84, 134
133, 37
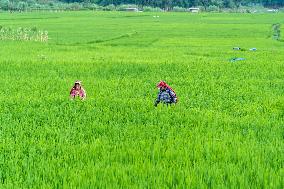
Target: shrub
281, 10
110, 7
213, 8
152, 9
179, 9
95, 7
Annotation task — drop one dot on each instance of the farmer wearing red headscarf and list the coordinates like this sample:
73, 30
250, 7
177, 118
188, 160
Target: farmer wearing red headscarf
77, 90
166, 94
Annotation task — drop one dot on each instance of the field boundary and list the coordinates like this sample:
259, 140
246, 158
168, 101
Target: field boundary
126, 35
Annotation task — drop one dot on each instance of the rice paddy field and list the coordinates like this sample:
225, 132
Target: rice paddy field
226, 131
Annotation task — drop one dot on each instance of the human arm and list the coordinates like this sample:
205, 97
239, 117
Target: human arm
72, 93
158, 99
83, 94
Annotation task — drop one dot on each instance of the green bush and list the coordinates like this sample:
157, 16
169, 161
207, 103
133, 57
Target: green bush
179, 9
151, 9
110, 7
213, 8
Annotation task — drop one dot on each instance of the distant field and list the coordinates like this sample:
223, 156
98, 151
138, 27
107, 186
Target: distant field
227, 131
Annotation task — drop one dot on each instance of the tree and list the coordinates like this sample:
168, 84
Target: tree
163, 4
22, 5
205, 3
228, 4
4, 4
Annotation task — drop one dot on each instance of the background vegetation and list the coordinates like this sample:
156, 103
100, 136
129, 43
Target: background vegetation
172, 5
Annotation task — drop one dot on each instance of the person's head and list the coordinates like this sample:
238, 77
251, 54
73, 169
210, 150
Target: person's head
77, 85
162, 85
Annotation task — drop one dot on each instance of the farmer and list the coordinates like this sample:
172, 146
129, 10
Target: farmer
166, 94
77, 90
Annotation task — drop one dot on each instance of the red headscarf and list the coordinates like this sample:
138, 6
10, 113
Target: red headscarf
164, 84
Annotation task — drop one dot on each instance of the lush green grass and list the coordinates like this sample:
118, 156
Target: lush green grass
226, 131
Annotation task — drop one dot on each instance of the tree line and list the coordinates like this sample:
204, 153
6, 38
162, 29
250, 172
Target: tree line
185, 3
113, 4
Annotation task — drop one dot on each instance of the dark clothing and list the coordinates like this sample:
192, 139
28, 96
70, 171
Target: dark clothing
166, 96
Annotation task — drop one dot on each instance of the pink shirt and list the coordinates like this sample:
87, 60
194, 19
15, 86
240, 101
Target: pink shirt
81, 93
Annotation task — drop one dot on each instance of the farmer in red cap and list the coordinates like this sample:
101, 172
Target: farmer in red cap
166, 94
77, 90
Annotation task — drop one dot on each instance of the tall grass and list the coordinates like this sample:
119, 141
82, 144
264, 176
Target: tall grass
23, 34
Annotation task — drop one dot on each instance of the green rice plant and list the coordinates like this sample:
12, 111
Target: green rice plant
226, 131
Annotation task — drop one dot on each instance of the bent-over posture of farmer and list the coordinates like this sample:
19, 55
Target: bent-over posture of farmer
77, 90
166, 94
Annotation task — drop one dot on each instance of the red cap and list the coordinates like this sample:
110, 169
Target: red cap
162, 84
